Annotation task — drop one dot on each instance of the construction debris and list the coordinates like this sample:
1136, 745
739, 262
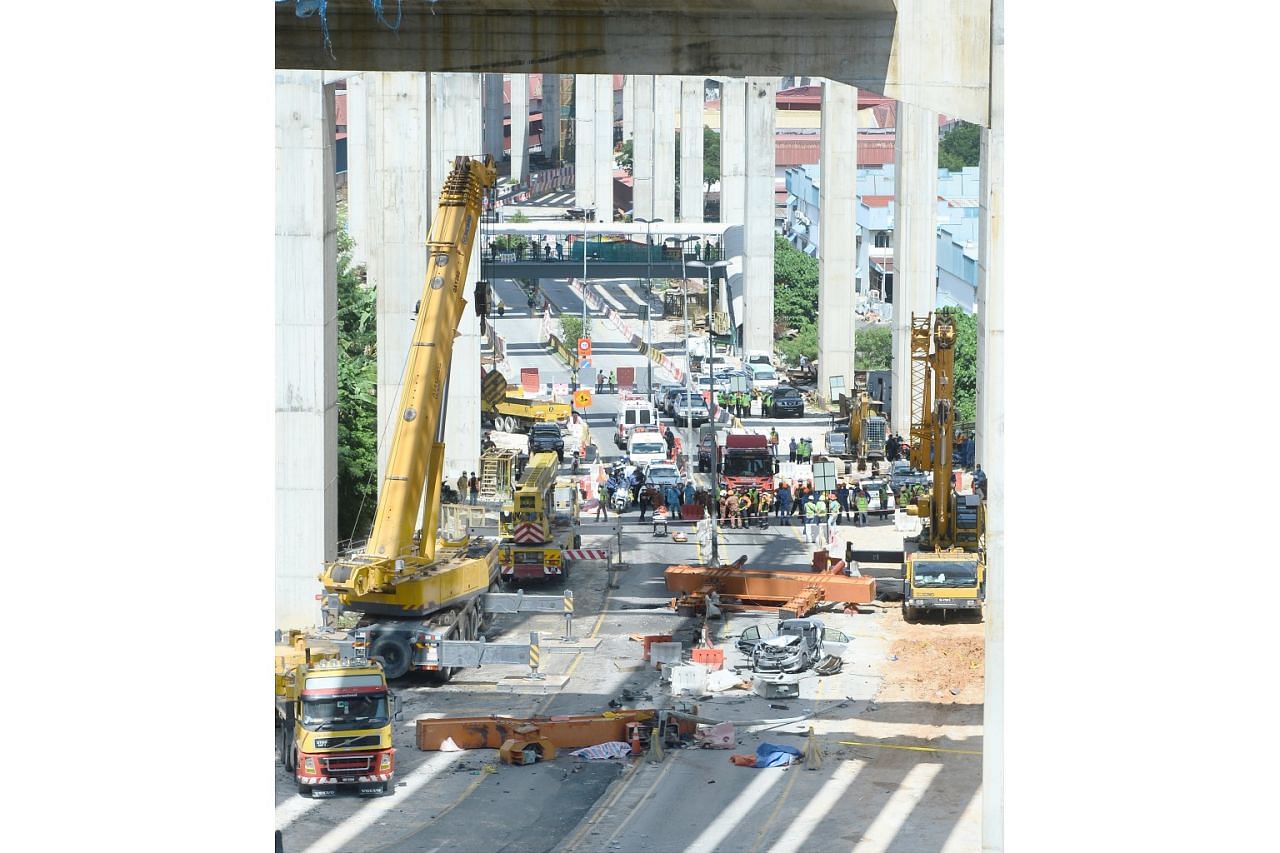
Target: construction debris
768, 755
719, 736
603, 751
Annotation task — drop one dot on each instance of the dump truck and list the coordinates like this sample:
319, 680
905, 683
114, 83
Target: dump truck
334, 716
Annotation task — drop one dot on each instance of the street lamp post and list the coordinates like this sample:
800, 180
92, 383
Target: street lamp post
648, 292
688, 361
711, 372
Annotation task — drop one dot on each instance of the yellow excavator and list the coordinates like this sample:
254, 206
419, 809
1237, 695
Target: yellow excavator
949, 571
417, 588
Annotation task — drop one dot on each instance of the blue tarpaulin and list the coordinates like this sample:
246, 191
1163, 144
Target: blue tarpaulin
776, 755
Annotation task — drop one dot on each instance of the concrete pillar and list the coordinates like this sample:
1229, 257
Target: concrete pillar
758, 230
990, 434
733, 150
628, 107
665, 103
494, 113
691, 98
454, 131
838, 202
397, 259
357, 168
551, 117
519, 126
642, 171
915, 242
584, 140
866, 238
603, 167
306, 344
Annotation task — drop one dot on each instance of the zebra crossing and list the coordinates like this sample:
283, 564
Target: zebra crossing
554, 199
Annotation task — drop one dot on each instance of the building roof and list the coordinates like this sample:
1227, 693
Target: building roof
876, 200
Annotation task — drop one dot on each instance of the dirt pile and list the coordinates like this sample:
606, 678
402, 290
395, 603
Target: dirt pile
936, 663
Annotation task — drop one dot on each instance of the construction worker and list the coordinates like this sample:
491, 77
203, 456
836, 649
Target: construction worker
782, 507
792, 450
473, 486
745, 509
613, 381
765, 504
502, 308
810, 519
462, 486
861, 501
842, 498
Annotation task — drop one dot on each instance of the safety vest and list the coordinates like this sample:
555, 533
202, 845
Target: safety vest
862, 503
811, 511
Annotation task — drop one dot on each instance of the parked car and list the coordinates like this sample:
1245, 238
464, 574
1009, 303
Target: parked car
792, 645
546, 437
662, 474
662, 392
787, 401
691, 406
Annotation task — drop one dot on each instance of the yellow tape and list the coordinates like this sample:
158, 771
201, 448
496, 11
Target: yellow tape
915, 748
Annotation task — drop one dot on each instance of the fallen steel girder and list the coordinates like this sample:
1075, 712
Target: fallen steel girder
564, 732
795, 592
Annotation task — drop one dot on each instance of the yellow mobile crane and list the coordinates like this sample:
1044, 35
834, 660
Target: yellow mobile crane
414, 591
532, 548
949, 572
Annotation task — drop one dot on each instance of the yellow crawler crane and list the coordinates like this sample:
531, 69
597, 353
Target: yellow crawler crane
949, 571
424, 589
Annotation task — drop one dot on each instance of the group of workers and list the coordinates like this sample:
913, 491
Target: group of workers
739, 402
800, 451
745, 507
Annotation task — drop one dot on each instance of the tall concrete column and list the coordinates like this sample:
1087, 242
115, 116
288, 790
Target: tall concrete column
551, 117
357, 168
838, 201
519, 126
915, 242
642, 170
584, 140
397, 258
990, 434
733, 150
603, 166
628, 107
455, 131
691, 154
757, 333
865, 238
495, 112
306, 344
665, 99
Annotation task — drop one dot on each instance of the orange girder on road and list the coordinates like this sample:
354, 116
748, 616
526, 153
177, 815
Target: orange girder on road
768, 584
564, 732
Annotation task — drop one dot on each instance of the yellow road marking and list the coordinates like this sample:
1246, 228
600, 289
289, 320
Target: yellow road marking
577, 658
916, 748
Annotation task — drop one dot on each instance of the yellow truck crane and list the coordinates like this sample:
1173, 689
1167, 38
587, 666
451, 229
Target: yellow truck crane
334, 716
539, 523
413, 590
949, 571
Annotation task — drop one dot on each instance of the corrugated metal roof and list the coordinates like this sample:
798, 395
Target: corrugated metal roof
877, 200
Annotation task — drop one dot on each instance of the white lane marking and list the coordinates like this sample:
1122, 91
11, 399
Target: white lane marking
609, 296
894, 813
341, 834
828, 795
720, 828
292, 809
632, 294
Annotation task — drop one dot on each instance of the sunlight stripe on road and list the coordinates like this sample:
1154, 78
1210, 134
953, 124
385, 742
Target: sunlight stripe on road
894, 813
341, 834
631, 294
720, 828
828, 795
292, 809
608, 296
967, 834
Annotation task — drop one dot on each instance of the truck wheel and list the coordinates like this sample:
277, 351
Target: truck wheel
288, 752
393, 651
577, 540
908, 614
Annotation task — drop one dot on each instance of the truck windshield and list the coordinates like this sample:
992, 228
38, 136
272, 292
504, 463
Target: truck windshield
748, 466
648, 449
949, 573
338, 713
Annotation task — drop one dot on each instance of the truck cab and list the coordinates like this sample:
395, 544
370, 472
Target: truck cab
748, 463
335, 720
943, 581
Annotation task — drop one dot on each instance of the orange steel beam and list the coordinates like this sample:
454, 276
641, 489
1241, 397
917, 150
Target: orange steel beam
567, 732
766, 583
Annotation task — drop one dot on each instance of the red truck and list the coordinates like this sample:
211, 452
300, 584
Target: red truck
747, 462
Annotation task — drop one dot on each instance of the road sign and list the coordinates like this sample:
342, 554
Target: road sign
582, 398
738, 384
584, 347
494, 388
824, 476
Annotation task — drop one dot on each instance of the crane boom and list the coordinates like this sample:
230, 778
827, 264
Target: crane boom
416, 458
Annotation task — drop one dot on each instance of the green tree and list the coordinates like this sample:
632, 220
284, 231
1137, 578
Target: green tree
570, 329
960, 147
357, 393
512, 242
795, 285
626, 156
966, 364
873, 348
710, 156
805, 343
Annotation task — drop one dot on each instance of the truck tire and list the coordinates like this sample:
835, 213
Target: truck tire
394, 652
908, 614
288, 752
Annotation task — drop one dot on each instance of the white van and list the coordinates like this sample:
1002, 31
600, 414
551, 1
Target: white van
763, 377
633, 411
645, 447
